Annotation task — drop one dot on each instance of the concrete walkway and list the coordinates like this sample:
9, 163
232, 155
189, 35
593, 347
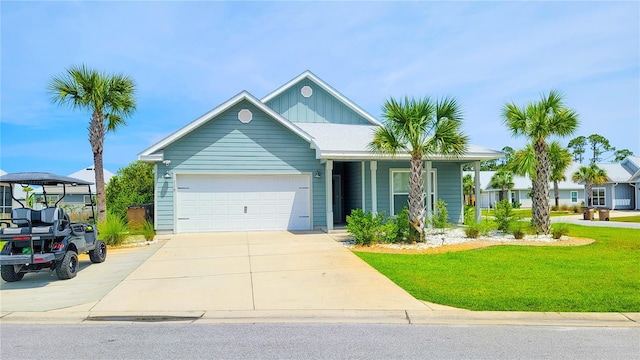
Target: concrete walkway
245, 277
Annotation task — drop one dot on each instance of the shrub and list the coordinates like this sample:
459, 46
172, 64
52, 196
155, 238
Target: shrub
558, 230
148, 230
564, 207
504, 215
517, 229
113, 230
553, 208
474, 228
575, 209
363, 226
517, 205
441, 216
406, 232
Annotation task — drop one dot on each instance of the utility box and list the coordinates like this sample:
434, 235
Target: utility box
138, 214
587, 213
603, 214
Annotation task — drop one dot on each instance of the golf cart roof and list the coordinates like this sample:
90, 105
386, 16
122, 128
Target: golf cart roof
41, 178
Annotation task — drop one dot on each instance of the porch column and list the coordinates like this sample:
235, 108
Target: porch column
328, 178
476, 169
429, 205
613, 196
374, 187
364, 193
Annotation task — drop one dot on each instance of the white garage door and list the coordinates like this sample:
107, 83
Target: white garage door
242, 202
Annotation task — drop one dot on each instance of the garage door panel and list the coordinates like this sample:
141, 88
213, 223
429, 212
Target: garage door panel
249, 202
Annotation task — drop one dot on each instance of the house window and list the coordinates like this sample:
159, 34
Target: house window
597, 196
51, 199
574, 196
400, 190
87, 200
5, 198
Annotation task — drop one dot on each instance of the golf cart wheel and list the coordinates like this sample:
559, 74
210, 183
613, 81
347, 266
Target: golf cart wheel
67, 268
9, 273
99, 254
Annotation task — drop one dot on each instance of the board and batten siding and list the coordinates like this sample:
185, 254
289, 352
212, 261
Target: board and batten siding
224, 145
320, 107
449, 186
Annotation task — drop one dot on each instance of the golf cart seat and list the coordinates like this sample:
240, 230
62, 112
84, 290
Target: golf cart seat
48, 221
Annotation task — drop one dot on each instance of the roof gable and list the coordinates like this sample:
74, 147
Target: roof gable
308, 99
154, 153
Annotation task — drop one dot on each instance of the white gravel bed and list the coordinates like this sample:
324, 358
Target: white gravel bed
435, 238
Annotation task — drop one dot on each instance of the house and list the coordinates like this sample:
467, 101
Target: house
570, 193
5, 199
297, 159
74, 196
622, 190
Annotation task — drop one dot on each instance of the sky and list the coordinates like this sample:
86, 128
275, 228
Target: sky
189, 57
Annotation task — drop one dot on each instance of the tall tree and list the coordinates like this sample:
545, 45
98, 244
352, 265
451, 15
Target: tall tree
590, 175
578, 146
559, 159
109, 97
468, 188
508, 154
539, 121
622, 154
503, 180
599, 145
420, 128
132, 185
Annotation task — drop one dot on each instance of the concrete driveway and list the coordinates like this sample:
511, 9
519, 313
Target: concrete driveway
217, 273
245, 277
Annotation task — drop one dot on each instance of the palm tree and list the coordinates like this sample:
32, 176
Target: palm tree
559, 159
590, 175
503, 180
539, 121
468, 187
420, 128
109, 97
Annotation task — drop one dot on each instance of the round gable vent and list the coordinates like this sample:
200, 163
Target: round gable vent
306, 91
245, 116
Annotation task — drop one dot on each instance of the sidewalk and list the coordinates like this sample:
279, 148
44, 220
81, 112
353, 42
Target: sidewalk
247, 278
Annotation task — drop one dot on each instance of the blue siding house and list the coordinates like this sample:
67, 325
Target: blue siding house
296, 159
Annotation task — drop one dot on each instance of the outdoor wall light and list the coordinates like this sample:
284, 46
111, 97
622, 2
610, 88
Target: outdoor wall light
166, 162
318, 174
166, 175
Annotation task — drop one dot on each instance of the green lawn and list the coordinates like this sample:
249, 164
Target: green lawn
526, 213
601, 277
635, 219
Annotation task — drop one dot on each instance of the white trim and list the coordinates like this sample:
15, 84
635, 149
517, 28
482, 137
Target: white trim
476, 168
604, 189
368, 155
462, 208
326, 87
328, 195
434, 174
427, 166
149, 153
373, 166
363, 185
571, 192
155, 196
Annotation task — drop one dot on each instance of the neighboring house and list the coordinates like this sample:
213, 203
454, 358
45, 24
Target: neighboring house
570, 193
75, 196
296, 160
5, 199
622, 191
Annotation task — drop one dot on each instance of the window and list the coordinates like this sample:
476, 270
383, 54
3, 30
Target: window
51, 199
5, 200
597, 196
400, 190
574, 196
87, 200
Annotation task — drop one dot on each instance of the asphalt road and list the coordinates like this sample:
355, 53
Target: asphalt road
314, 341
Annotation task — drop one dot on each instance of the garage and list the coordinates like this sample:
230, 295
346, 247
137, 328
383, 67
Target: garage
211, 203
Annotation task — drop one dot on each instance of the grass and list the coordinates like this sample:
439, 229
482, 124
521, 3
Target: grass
634, 219
602, 277
526, 213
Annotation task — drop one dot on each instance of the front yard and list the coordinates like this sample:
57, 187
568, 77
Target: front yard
602, 277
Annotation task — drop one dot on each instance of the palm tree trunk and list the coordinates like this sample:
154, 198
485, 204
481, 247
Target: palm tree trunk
556, 193
541, 187
96, 138
416, 197
589, 193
